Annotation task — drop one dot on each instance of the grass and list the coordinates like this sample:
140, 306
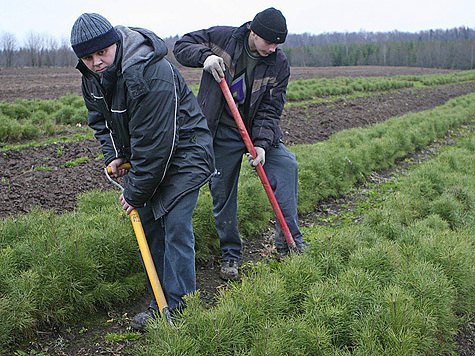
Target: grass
34, 120
122, 337
311, 89
76, 162
374, 196
392, 285
380, 288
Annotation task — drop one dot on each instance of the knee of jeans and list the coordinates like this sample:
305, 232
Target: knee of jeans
293, 163
289, 160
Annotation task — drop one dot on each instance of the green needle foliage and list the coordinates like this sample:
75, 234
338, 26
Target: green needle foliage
54, 267
331, 167
307, 89
31, 119
391, 285
359, 290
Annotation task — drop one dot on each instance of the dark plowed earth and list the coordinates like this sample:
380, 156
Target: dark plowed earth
39, 176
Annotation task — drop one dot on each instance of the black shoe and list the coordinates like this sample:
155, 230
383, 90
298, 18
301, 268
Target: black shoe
229, 270
139, 321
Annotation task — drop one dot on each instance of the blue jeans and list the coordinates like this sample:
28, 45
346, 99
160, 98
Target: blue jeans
282, 172
172, 245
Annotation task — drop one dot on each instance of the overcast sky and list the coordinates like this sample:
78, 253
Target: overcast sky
169, 18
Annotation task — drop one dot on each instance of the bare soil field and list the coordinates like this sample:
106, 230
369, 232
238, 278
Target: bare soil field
51, 83
22, 186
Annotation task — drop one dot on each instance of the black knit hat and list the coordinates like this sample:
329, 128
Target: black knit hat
270, 24
91, 33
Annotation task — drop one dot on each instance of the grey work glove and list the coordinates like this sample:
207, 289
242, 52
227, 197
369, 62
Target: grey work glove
215, 65
260, 158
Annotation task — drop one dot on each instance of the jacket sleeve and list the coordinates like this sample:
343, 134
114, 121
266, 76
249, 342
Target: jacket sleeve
265, 126
194, 47
102, 132
152, 129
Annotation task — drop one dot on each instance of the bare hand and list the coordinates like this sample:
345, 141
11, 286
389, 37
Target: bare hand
126, 206
115, 171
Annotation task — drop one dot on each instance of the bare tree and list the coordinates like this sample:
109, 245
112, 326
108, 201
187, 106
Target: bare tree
66, 56
35, 46
9, 46
51, 51
451, 48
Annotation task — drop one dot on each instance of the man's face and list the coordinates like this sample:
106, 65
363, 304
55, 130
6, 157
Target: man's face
99, 61
260, 46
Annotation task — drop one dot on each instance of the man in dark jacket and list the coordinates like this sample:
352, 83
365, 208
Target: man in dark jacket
257, 73
143, 113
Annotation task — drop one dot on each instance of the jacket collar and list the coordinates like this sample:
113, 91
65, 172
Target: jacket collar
111, 71
241, 34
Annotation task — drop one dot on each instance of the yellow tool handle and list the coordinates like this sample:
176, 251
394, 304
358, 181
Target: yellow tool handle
148, 262
126, 166
146, 256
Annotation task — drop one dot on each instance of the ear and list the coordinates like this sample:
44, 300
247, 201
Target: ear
252, 38
253, 34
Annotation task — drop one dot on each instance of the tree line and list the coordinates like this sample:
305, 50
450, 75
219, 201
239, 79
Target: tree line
447, 49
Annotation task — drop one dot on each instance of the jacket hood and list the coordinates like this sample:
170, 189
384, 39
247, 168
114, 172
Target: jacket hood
140, 45
241, 32
137, 46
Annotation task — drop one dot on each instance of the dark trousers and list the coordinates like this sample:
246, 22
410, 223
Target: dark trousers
282, 171
172, 245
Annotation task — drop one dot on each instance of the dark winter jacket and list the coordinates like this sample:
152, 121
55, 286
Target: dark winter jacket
142, 109
271, 77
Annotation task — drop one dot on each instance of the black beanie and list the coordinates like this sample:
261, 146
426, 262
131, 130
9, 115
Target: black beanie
270, 24
91, 33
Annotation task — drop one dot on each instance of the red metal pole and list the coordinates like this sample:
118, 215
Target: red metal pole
259, 168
